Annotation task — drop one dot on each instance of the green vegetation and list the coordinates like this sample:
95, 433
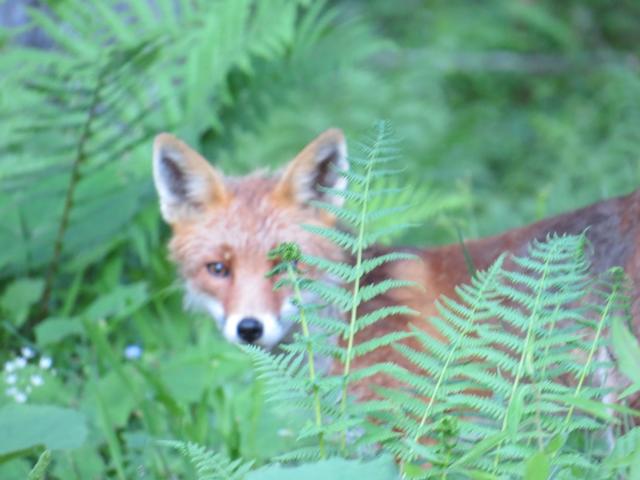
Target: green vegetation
507, 112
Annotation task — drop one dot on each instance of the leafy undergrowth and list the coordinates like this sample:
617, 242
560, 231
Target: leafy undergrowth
100, 365
491, 401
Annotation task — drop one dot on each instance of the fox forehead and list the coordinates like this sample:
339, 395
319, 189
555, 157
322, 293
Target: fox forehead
247, 225
240, 219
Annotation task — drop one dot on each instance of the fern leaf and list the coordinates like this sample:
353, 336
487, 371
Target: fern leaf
210, 465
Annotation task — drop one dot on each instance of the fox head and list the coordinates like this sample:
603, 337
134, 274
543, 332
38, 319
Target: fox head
223, 228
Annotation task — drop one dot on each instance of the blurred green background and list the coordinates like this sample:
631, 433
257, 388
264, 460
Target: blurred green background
508, 111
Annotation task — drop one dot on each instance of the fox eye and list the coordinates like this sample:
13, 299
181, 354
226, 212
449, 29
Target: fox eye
218, 269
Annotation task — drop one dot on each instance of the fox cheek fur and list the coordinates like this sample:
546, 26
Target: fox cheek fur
223, 228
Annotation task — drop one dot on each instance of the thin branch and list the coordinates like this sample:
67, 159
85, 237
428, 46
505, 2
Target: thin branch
74, 180
503, 61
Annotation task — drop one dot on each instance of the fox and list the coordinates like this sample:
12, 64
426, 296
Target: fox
223, 228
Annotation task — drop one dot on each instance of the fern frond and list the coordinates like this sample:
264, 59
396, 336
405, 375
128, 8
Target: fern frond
326, 397
499, 371
210, 465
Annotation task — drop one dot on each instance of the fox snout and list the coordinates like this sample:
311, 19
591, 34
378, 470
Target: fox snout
265, 329
250, 329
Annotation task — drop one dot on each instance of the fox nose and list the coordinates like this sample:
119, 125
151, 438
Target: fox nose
250, 329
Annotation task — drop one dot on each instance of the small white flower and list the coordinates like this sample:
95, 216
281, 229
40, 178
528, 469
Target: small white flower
36, 380
132, 352
11, 379
27, 352
45, 363
20, 362
11, 391
20, 397
9, 367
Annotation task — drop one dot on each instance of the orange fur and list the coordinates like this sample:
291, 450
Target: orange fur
612, 227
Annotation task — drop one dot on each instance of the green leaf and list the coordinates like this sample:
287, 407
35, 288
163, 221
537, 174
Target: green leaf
516, 408
84, 462
121, 301
538, 467
19, 297
26, 426
188, 376
627, 350
555, 444
382, 468
626, 451
53, 330
39, 470
480, 449
593, 407
116, 394
12, 467
480, 475
630, 390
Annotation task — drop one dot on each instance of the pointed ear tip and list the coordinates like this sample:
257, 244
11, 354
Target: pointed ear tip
335, 136
335, 133
165, 139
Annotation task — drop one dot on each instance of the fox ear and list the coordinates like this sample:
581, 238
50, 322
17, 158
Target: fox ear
186, 183
316, 167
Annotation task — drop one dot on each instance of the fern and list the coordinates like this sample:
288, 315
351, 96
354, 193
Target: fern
209, 465
80, 114
517, 328
290, 255
287, 375
488, 398
414, 204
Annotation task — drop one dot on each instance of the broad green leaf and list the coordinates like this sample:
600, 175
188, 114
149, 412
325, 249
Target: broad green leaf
626, 451
84, 462
382, 468
627, 350
120, 301
635, 464
14, 467
538, 467
187, 376
53, 330
480, 475
116, 394
26, 426
480, 448
516, 408
594, 407
630, 390
19, 297
555, 444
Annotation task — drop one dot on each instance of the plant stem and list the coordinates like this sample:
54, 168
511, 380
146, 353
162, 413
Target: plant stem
536, 387
592, 350
454, 348
525, 349
356, 287
311, 361
74, 180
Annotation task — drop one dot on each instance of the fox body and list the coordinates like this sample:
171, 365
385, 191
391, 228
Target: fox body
224, 227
